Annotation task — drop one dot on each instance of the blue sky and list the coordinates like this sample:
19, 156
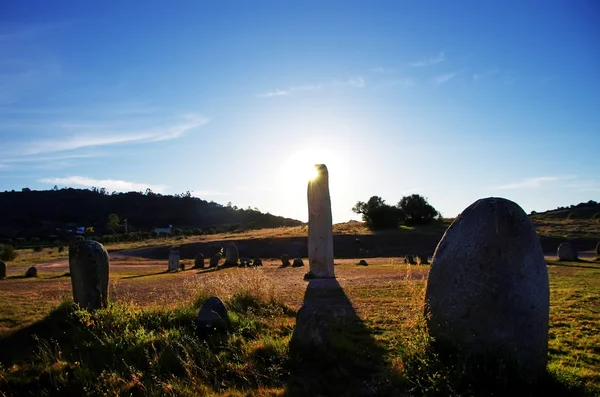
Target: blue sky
231, 100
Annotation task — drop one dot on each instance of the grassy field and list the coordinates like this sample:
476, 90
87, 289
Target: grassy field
376, 342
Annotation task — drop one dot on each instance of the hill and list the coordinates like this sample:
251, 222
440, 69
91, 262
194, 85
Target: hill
34, 213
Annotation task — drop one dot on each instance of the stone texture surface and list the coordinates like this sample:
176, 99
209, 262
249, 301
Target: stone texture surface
298, 262
173, 260
566, 252
212, 316
199, 261
320, 226
488, 293
232, 254
31, 272
2, 270
89, 268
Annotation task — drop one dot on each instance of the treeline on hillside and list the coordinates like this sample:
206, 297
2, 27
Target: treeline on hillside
30, 213
410, 210
587, 210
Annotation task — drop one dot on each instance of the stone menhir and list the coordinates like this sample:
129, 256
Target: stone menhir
173, 260
488, 293
409, 260
566, 252
211, 317
320, 226
298, 262
232, 254
2, 270
422, 260
31, 272
199, 261
214, 260
285, 260
89, 268
257, 262
598, 250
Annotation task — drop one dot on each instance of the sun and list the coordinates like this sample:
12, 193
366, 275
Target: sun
300, 166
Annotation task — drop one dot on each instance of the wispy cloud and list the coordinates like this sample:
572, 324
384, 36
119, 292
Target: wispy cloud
532, 183
355, 82
108, 184
111, 137
274, 93
380, 69
430, 61
511, 79
206, 193
489, 73
444, 78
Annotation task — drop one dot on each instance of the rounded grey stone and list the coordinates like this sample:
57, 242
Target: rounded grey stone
31, 272
285, 260
212, 316
298, 262
257, 262
566, 252
89, 268
363, 262
488, 292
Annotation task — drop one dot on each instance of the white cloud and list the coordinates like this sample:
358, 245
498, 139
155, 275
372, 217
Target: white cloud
380, 69
111, 137
206, 193
108, 184
274, 93
488, 73
430, 61
355, 82
531, 183
444, 78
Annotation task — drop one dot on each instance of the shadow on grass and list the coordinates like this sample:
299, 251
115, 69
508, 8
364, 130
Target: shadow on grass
332, 351
579, 265
146, 275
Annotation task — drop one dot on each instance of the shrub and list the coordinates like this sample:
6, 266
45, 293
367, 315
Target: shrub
571, 215
61, 249
417, 210
37, 248
377, 214
7, 253
596, 215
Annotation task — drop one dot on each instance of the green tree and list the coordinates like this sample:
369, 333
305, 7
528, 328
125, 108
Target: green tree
377, 214
417, 210
112, 222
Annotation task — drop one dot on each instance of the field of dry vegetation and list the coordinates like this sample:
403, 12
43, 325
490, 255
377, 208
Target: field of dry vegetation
145, 343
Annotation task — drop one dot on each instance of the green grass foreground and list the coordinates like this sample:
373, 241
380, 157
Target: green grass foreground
375, 344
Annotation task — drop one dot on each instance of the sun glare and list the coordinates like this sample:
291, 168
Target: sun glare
299, 168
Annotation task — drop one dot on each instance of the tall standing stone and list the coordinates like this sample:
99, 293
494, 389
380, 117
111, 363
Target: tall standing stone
89, 267
199, 261
173, 260
2, 270
320, 225
232, 254
488, 292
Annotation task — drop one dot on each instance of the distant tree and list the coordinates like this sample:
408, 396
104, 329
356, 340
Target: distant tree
377, 214
7, 253
113, 222
417, 210
26, 189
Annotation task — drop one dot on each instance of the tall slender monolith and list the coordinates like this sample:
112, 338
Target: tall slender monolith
320, 227
173, 260
89, 267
